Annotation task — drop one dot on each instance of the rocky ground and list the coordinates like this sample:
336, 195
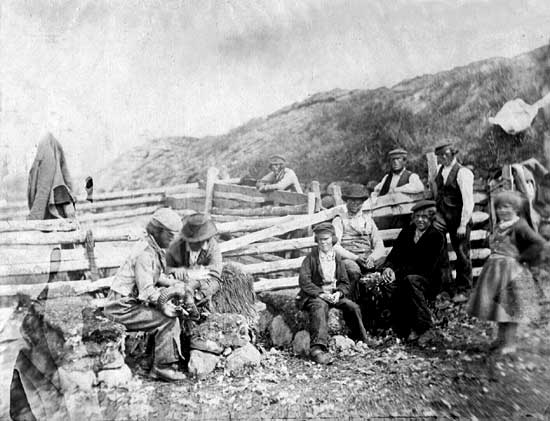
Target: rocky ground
451, 375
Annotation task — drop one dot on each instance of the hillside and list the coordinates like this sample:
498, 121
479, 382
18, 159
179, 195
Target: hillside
345, 135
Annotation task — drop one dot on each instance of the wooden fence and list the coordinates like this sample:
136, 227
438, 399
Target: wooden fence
250, 226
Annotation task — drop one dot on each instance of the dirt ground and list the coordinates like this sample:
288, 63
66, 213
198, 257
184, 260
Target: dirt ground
451, 375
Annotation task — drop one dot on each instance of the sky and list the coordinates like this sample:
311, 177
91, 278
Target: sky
106, 75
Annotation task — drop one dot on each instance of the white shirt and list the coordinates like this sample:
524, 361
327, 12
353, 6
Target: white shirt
194, 255
465, 181
362, 223
328, 269
413, 186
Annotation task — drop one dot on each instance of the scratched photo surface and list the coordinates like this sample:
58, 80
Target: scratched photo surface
273, 119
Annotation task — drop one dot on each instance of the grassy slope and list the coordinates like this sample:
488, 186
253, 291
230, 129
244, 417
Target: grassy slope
345, 135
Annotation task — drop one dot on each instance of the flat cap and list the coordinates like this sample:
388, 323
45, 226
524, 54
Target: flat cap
355, 191
397, 152
439, 149
168, 218
324, 227
277, 159
423, 204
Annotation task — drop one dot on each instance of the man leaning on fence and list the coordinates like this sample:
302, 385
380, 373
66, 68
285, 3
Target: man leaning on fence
323, 284
134, 296
279, 178
454, 194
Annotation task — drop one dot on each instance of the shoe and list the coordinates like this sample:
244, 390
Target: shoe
167, 373
460, 298
321, 357
413, 336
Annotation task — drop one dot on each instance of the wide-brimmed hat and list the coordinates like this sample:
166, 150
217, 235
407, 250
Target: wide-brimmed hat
355, 191
277, 159
423, 204
198, 227
397, 152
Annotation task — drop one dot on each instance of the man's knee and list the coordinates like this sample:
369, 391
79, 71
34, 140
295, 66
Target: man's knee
317, 305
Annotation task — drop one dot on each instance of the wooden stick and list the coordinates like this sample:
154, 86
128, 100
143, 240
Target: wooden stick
245, 225
137, 201
432, 171
269, 267
316, 189
45, 225
273, 247
211, 178
337, 194
263, 211
310, 208
290, 225
56, 288
149, 210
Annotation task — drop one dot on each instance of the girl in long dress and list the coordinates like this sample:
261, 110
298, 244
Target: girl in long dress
506, 292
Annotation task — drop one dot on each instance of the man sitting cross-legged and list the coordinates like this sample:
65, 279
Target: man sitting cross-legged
323, 284
359, 242
414, 266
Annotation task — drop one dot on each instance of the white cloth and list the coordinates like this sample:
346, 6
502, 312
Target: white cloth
465, 181
412, 187
359, 224
328, 269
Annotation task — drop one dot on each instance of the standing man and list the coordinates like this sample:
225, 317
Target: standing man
134, 296
323, 284
414, 265
359, 242
453, 190
279, 178
399, 179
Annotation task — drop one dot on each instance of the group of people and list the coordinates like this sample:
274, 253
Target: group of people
348, 248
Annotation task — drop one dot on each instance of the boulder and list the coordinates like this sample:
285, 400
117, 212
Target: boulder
225, 329
336, 322
201, 363
342, 343
280, 333
301, 343
72, 381
248, 355
115, 377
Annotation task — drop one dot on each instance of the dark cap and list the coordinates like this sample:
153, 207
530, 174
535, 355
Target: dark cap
324, 227
355, 191
423, 204
440, 149
397, 152
277, 159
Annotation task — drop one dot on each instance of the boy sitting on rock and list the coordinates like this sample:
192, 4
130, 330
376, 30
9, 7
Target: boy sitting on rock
324, 283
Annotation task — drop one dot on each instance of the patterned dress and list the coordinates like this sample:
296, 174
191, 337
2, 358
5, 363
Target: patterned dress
505, 290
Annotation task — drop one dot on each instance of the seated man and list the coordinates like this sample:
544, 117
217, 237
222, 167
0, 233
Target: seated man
414, 264
196, 248
279, 178
399, 179
133, 298
323, 284
359, 242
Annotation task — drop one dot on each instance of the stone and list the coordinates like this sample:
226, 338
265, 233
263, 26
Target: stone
342, 343
336, 322
225, 329
280, 333
71, 380
248, 355
301, 343
201, 363
265, 317
115, 377
206, 345
283, 303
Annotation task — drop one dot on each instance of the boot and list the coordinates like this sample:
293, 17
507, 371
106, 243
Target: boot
167, 373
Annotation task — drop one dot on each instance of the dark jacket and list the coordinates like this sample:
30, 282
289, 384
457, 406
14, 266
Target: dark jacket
449, 196
423, 258
403, 179
311, 278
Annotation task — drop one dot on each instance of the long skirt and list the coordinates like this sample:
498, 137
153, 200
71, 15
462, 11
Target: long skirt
505, 292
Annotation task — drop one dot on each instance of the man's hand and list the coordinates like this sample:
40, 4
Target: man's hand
169, 309
180, 274
388, 275
366, 262
336, 296
326, 297
461, 232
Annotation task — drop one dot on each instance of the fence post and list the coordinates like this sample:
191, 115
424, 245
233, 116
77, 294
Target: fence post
211, 178
432, 172
337, 194
311, 202
317, 191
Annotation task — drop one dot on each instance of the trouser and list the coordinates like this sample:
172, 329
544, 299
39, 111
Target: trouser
463, 265
410, 305
318, 319
136, 316
354, 275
